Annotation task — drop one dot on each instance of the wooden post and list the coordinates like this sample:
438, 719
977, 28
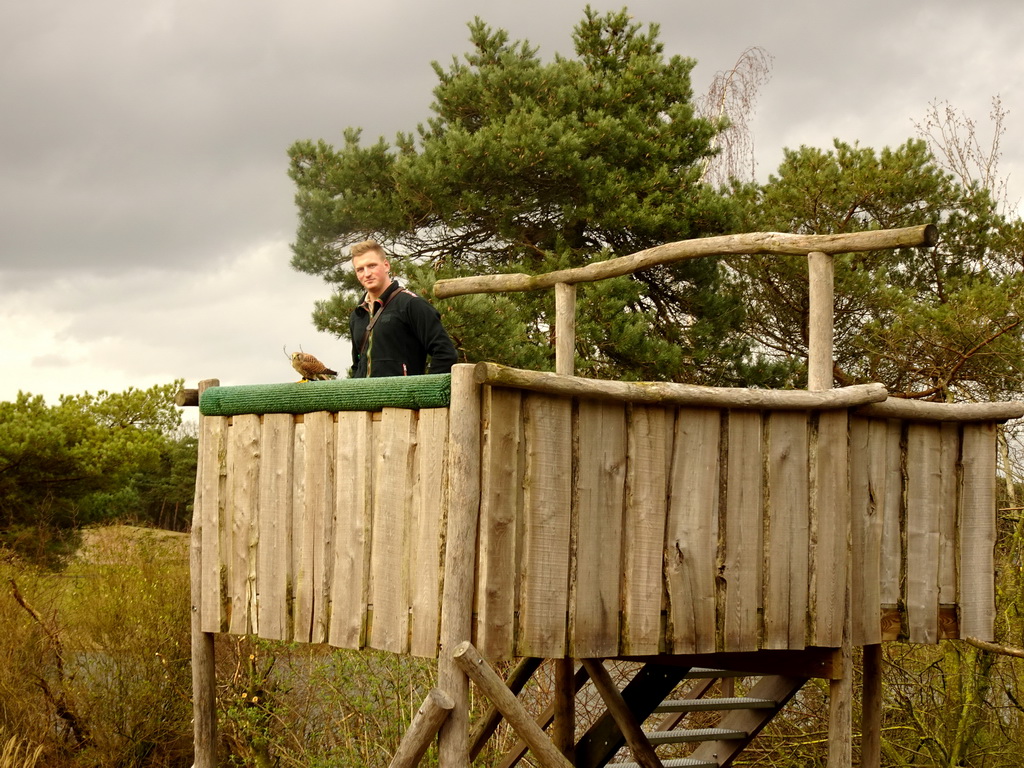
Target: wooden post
871, 709
821, 273
204, 680
428, 719
565, 328
564, 727
493, 687
463, 500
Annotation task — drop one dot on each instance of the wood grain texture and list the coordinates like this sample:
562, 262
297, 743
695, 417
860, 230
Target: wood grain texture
501, 502
598, 500
354, 479
546, 512
648, 454
786, 547
692, 531
744, 509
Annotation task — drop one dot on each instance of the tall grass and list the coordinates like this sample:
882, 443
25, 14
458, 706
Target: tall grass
18, 753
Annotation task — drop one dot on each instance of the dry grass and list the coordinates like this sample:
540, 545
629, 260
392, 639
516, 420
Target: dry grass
18, 753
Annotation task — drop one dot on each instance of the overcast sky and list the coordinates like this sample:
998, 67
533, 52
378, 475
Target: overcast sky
145, 208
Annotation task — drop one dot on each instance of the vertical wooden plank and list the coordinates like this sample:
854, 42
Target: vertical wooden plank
692, 530
598, 498
869, 472
275, 523
244, 476
891, 437
214, 513
463, 498
354, 482
547, 432
204, 672
923, 487
977, 531
500, 501
949, 465
301, 593
786, 569
744, 507
392, 510
319, 485
428, 524
649, 440
830, 527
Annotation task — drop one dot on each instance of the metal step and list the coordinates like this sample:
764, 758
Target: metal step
675, 762
696, 734
714, 705
698, 673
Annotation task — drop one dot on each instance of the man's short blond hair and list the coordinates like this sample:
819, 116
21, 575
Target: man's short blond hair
358, 249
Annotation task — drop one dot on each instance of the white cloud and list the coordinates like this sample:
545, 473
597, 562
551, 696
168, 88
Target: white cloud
150, 327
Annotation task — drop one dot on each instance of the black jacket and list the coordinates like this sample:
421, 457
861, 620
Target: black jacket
407, 331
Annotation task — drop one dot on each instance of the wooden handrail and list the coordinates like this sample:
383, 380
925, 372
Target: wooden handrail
723, 245
665, 392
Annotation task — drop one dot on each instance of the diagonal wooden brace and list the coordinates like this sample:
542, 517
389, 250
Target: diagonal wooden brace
493, 687
643, 751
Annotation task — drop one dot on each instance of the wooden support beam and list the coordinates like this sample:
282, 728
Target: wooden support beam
493, 687
489, 722
820, 330
565, 328
871, 709
564, 731
643, 751
463, 495
204, 674
427, 721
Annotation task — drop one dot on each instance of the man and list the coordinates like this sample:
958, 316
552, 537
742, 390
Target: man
393, 330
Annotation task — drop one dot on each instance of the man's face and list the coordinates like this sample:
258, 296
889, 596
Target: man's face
373, 272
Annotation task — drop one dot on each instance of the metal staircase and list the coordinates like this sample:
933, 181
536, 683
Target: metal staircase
717, 726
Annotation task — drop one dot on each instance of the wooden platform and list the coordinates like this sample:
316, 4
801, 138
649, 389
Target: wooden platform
604, 527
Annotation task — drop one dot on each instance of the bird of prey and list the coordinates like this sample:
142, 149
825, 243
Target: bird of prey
310, 368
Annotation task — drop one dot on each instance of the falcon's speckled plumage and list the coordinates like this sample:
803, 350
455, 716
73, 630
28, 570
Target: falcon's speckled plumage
310, 368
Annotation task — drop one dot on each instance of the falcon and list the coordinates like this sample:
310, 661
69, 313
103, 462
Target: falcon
310, 368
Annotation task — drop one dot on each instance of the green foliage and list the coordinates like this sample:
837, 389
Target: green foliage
89, 458
529, 166
940, 323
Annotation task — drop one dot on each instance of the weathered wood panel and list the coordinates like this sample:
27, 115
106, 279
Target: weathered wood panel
923, 467
213, 517
691, 550
428, 528
389, 553
786, 531
547, 500
868, 475
830, 528
244, 487
501, 501
352, 504
977, 532
648, 455
742, 533
598, 502
274, 565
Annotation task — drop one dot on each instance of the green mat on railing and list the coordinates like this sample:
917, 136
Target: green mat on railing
432, 390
